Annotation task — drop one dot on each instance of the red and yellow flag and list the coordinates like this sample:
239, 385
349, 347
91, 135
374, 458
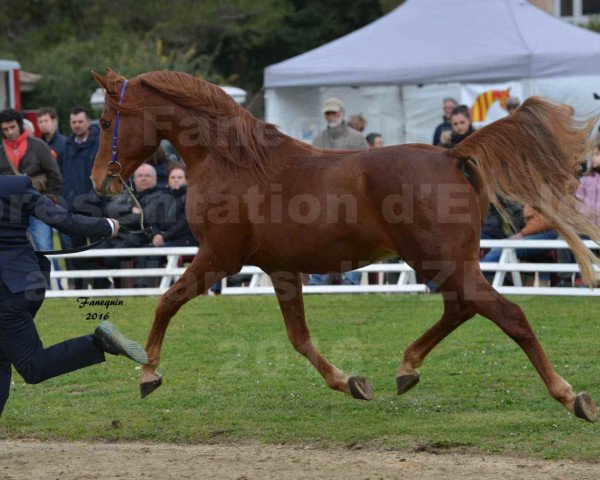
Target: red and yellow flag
485, 100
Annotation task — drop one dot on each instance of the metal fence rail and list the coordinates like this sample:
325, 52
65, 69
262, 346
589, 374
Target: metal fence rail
260, 283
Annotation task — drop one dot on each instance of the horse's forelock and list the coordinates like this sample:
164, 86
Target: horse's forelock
131, 101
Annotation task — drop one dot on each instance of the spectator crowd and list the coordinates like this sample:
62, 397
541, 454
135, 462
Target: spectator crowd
60, 168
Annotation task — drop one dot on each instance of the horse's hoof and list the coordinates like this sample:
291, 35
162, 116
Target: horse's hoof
405, 382
585, 407
360, 388
147, 388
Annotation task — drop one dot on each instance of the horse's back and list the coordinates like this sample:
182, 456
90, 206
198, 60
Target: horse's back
406, 161
385, 168
424, 197
393, 199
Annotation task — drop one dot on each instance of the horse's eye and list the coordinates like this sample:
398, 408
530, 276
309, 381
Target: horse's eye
104, 124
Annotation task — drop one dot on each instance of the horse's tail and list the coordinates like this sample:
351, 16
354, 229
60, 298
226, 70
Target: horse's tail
533, 156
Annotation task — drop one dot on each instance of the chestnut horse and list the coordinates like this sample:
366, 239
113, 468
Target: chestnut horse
256, 196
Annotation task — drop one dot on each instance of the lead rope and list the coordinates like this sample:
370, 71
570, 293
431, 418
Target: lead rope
135, 200
97, 243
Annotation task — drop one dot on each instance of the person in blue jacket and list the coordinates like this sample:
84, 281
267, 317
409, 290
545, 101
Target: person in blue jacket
24, 278
77, 191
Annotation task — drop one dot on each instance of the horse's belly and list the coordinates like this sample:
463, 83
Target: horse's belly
332, 258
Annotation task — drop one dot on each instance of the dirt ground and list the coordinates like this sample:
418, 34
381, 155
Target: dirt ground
65, 461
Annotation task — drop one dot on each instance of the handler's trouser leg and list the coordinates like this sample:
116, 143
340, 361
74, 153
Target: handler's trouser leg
20, 343
5, 375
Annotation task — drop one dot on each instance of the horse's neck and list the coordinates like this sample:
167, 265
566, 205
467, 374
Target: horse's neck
194, 158
195, 152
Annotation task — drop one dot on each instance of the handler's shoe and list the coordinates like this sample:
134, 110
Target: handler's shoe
110, 340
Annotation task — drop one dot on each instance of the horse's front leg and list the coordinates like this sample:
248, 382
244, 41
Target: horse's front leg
199, 276
288, 288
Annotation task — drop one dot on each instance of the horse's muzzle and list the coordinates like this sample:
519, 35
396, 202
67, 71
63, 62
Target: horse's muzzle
105, 187
113, 170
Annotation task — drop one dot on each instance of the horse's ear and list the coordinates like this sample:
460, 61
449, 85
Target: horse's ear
100, 79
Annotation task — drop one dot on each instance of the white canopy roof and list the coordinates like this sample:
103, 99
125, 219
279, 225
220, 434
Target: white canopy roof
438, 41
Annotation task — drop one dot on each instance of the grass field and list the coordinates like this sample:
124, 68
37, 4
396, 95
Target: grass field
230, 374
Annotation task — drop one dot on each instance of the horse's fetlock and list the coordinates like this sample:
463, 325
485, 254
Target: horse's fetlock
412, 359
564, 394
338, 385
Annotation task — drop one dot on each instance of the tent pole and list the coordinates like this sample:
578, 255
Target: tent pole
402, 139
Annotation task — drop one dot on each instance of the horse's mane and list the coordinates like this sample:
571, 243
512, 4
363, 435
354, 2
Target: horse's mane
229, 131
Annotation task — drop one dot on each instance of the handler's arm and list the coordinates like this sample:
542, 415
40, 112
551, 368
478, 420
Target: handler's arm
64, 221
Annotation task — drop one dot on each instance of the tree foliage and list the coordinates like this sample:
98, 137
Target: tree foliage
228, 41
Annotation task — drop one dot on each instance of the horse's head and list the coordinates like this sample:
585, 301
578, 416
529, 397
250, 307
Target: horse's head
123, 145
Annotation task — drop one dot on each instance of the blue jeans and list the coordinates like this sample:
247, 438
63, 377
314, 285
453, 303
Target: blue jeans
524, 253
349, 278
41, 234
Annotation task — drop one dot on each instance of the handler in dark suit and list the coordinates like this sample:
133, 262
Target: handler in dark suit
23, 281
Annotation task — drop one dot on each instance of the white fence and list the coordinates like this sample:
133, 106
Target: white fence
260, 283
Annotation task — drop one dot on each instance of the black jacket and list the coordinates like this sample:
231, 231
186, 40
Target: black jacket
437, 135
493, 226
155, 204
76, 167
20, 268
456, 138
175, 227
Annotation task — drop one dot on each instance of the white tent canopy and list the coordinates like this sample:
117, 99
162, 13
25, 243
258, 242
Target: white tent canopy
396, 70
440, 41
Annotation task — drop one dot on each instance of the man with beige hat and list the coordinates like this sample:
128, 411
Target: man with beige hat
338, 135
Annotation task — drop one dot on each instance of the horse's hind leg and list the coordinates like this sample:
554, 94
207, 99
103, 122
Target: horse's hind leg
197, 278
511, 319
456, 312
288, 288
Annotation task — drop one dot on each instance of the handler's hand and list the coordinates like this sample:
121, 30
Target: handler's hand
158, 240
117, 227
